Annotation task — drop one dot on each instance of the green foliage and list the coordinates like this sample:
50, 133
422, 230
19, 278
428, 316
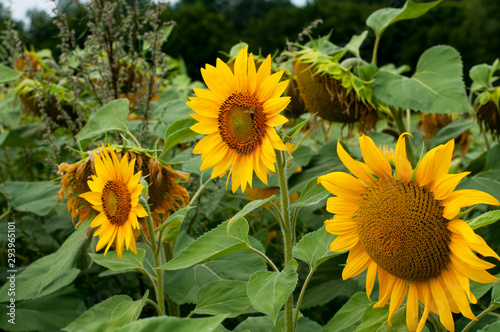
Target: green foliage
111, 313
435, 87
129, 261
7, 74
111, 117
173, 324
268, 291
383, 18
223, 297
34, 197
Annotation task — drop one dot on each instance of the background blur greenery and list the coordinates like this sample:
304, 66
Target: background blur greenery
206, 27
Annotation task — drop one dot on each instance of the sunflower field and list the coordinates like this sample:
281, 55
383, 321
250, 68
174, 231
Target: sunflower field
314, 189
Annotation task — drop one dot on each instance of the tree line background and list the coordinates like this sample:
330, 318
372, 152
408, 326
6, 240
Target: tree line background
204, 28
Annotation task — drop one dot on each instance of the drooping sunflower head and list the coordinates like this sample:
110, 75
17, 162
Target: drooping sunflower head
400, 223
239, 113
487, 108
114, 194
331, 88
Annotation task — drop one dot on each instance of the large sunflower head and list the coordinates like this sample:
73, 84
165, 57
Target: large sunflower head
114, 194
239, 113
401, 223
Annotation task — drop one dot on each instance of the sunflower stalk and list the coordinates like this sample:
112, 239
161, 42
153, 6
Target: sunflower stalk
397, 114
157, 257
286, 229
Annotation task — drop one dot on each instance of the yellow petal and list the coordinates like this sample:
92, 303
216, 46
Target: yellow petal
206, 127
434, 164
215, 82
374, 158
412, 307
463, 281
463, 198
276, 120
343, 185
214, 156
275, 105
443, 307
398, 295
340, 225
207, 143
265, 91
445, 185
425, 296
386, 283
275, 140
371, 275
403, 166
207, 94
460, 227
359, 169
264, 71
120, 241
344, 242
460, 248
343, 206
252, 75
206, 107
357, 261
240, 69
449, 283
227, 80
482, 247
98, 220
476, 274
93, 198
280, 88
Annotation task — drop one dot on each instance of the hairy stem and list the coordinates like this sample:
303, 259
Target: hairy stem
286, 229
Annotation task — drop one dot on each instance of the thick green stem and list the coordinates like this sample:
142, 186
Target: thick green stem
375, 49
287, 231
481, 315
397, 114
157, 258
301, 296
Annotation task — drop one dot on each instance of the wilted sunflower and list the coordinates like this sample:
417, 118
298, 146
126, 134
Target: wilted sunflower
238, 114
166, 195
114, 193
404, 227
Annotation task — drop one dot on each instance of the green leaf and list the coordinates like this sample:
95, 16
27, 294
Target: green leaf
35, 197
183, 285
488, 179
178, 132
314, 248
383, 18
312, 193
350, 313
451, 131
216, 243
167, 323
435, 87
48, 313
268, 291
491, 327
265, 324
10, 111
485, 219
249, 208
480, 74
109, 314
49, 273
7, 74
295, 130
170, 227
223, 297
111, 117
111, 261
325, 292
495, 294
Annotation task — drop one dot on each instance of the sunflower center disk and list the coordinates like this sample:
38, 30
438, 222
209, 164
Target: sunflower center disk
242, 122
401, 227
116, 202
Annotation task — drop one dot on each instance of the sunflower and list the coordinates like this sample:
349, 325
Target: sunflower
114, 193
404, 228
238, 114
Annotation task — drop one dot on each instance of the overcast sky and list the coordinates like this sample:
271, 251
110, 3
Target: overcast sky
20, 7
